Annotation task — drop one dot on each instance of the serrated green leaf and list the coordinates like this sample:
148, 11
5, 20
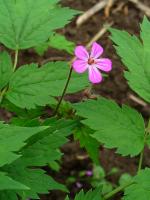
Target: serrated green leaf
31, 86
7, 183
25, 122
40, 150
12, 138
6, 69
136, 57
140, 189
56, 41
90, 195
116, 127
22, 113
145, 33
45, 149
35, 23
84, 135
35, 179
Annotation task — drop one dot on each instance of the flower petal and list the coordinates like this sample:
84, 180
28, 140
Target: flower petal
81, 53
104, 64
96, 50
94, 74
80, 66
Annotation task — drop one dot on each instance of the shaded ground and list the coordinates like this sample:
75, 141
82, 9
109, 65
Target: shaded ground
114, 87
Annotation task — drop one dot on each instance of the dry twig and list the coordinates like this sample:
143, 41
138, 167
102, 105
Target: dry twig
119, 7
100, 33
137, 100
108, 7
141, 6
89, 13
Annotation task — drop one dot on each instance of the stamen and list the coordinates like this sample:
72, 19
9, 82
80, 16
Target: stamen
91, 61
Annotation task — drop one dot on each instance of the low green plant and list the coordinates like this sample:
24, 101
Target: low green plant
32, 139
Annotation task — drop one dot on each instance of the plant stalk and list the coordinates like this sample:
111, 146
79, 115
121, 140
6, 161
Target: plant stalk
16, 60
141, 160
117, 190
64, 91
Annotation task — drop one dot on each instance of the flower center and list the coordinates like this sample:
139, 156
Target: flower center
91, 61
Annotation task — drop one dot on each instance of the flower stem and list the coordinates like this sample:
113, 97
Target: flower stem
64, 91
16, 60
117, 190
140, 160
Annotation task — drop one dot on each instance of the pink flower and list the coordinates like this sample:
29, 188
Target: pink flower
91, 62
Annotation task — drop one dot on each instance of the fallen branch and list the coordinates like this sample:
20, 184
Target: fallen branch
141, 6
89, 13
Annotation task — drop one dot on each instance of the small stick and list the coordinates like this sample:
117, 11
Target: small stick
137, 100
119, 7
108, 7
100, 33
141, 6
89, 13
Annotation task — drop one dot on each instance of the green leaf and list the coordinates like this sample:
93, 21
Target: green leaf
125, 178
41, 149
22, 113
35, 23
7, 183
6, 69
36, 180
12, 138
67, 198
5, 195
45, 150
84, 135
136, 57
56, 41
140, 189
41, 48
116, 127
31, 86
25, 122
90, 195
145, 33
